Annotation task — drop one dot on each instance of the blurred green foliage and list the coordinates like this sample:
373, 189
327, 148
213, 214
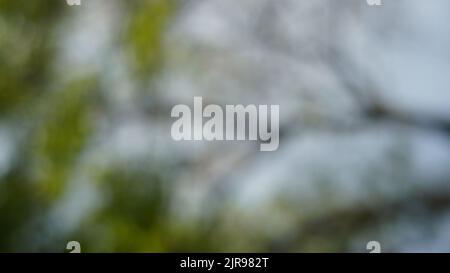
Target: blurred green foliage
26, 51
55, 122
146, 34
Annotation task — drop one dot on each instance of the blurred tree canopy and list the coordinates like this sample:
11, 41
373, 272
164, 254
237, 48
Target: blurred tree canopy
54, 122
65, 96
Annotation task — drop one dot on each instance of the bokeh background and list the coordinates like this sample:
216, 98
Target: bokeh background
85, 146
